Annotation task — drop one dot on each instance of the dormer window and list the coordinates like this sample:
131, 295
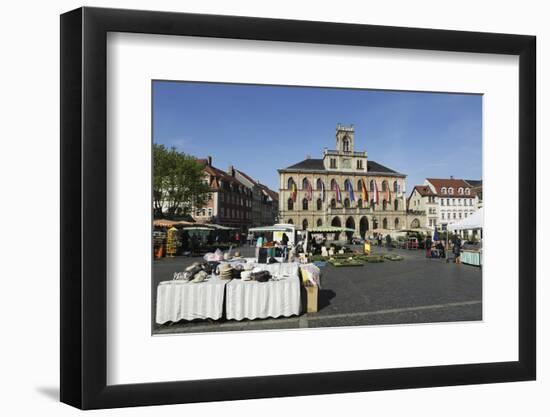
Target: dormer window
443, 190
467, 191
461, 191
451, 191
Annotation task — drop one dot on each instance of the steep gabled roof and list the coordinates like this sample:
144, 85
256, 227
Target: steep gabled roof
423, 190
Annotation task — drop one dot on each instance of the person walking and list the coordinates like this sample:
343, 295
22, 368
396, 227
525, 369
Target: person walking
456, 249
379, 238
428, 247
388, 242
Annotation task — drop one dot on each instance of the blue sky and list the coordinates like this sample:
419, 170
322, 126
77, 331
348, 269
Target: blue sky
259, 129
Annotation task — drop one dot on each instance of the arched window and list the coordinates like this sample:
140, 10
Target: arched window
319, 222
359, 186
304, 204
461, 191
304, 224
443, 190
395, 186
319, 184
333, 184
290, 204
467, 191
345, 144
371, 186
451, 191
360, 203
384, 185
396, 204
374, 223
396, 223
305, 183
290, 221
289, 183
346, 202
384, 204
319, 204
385, 223
333, 203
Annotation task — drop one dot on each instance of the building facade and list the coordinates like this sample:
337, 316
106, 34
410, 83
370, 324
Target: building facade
441, 201
343, 188
229, 200
264, 201
235, 199
422, 208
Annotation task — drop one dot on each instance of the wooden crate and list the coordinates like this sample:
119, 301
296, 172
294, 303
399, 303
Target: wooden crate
312, 294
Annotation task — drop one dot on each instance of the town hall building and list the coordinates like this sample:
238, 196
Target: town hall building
343, 188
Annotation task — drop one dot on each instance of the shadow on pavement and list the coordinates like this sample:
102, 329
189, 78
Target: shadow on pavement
324, 298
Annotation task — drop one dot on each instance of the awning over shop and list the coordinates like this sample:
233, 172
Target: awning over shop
171, 223
219, 226
264, 229
329, 229
472, 222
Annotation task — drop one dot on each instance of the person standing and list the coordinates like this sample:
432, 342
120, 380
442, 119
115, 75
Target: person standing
456, 249
284, 244
428, 246
259, 244
388, 242
379, 238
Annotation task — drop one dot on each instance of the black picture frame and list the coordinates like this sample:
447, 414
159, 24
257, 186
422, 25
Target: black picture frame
84, 207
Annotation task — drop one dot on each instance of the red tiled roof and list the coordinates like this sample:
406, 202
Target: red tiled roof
218, 173
424, 190
440, 183
274, 195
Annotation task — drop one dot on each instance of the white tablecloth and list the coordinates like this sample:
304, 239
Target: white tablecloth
274, 298
177, 300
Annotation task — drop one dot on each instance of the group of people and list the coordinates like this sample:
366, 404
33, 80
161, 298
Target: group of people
436, 249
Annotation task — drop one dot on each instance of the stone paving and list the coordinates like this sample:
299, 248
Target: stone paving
414, 290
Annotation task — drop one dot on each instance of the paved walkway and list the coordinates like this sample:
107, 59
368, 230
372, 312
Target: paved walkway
415, 290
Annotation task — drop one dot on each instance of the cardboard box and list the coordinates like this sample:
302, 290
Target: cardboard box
312, 293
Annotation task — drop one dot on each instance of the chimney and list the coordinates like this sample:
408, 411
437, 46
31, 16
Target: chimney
231, 170
209, 159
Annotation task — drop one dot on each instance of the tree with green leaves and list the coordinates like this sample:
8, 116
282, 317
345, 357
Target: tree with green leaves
178, 183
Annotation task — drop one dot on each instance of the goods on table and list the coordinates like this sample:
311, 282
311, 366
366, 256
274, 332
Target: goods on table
345, 262
393, 257
311, 275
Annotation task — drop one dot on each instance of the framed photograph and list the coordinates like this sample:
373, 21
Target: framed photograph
258, 208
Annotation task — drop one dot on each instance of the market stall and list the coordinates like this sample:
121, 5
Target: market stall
471, 254
185, 300
279, 296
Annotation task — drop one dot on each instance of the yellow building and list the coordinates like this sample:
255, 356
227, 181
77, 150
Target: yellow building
332, 191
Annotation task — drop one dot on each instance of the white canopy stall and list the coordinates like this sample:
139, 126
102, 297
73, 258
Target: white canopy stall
472, 222
470, 255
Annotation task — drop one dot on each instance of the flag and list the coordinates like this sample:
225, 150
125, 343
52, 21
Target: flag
323, 191
309, 194
294, 192
336, 188
364, 192
349, 189
375, 197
